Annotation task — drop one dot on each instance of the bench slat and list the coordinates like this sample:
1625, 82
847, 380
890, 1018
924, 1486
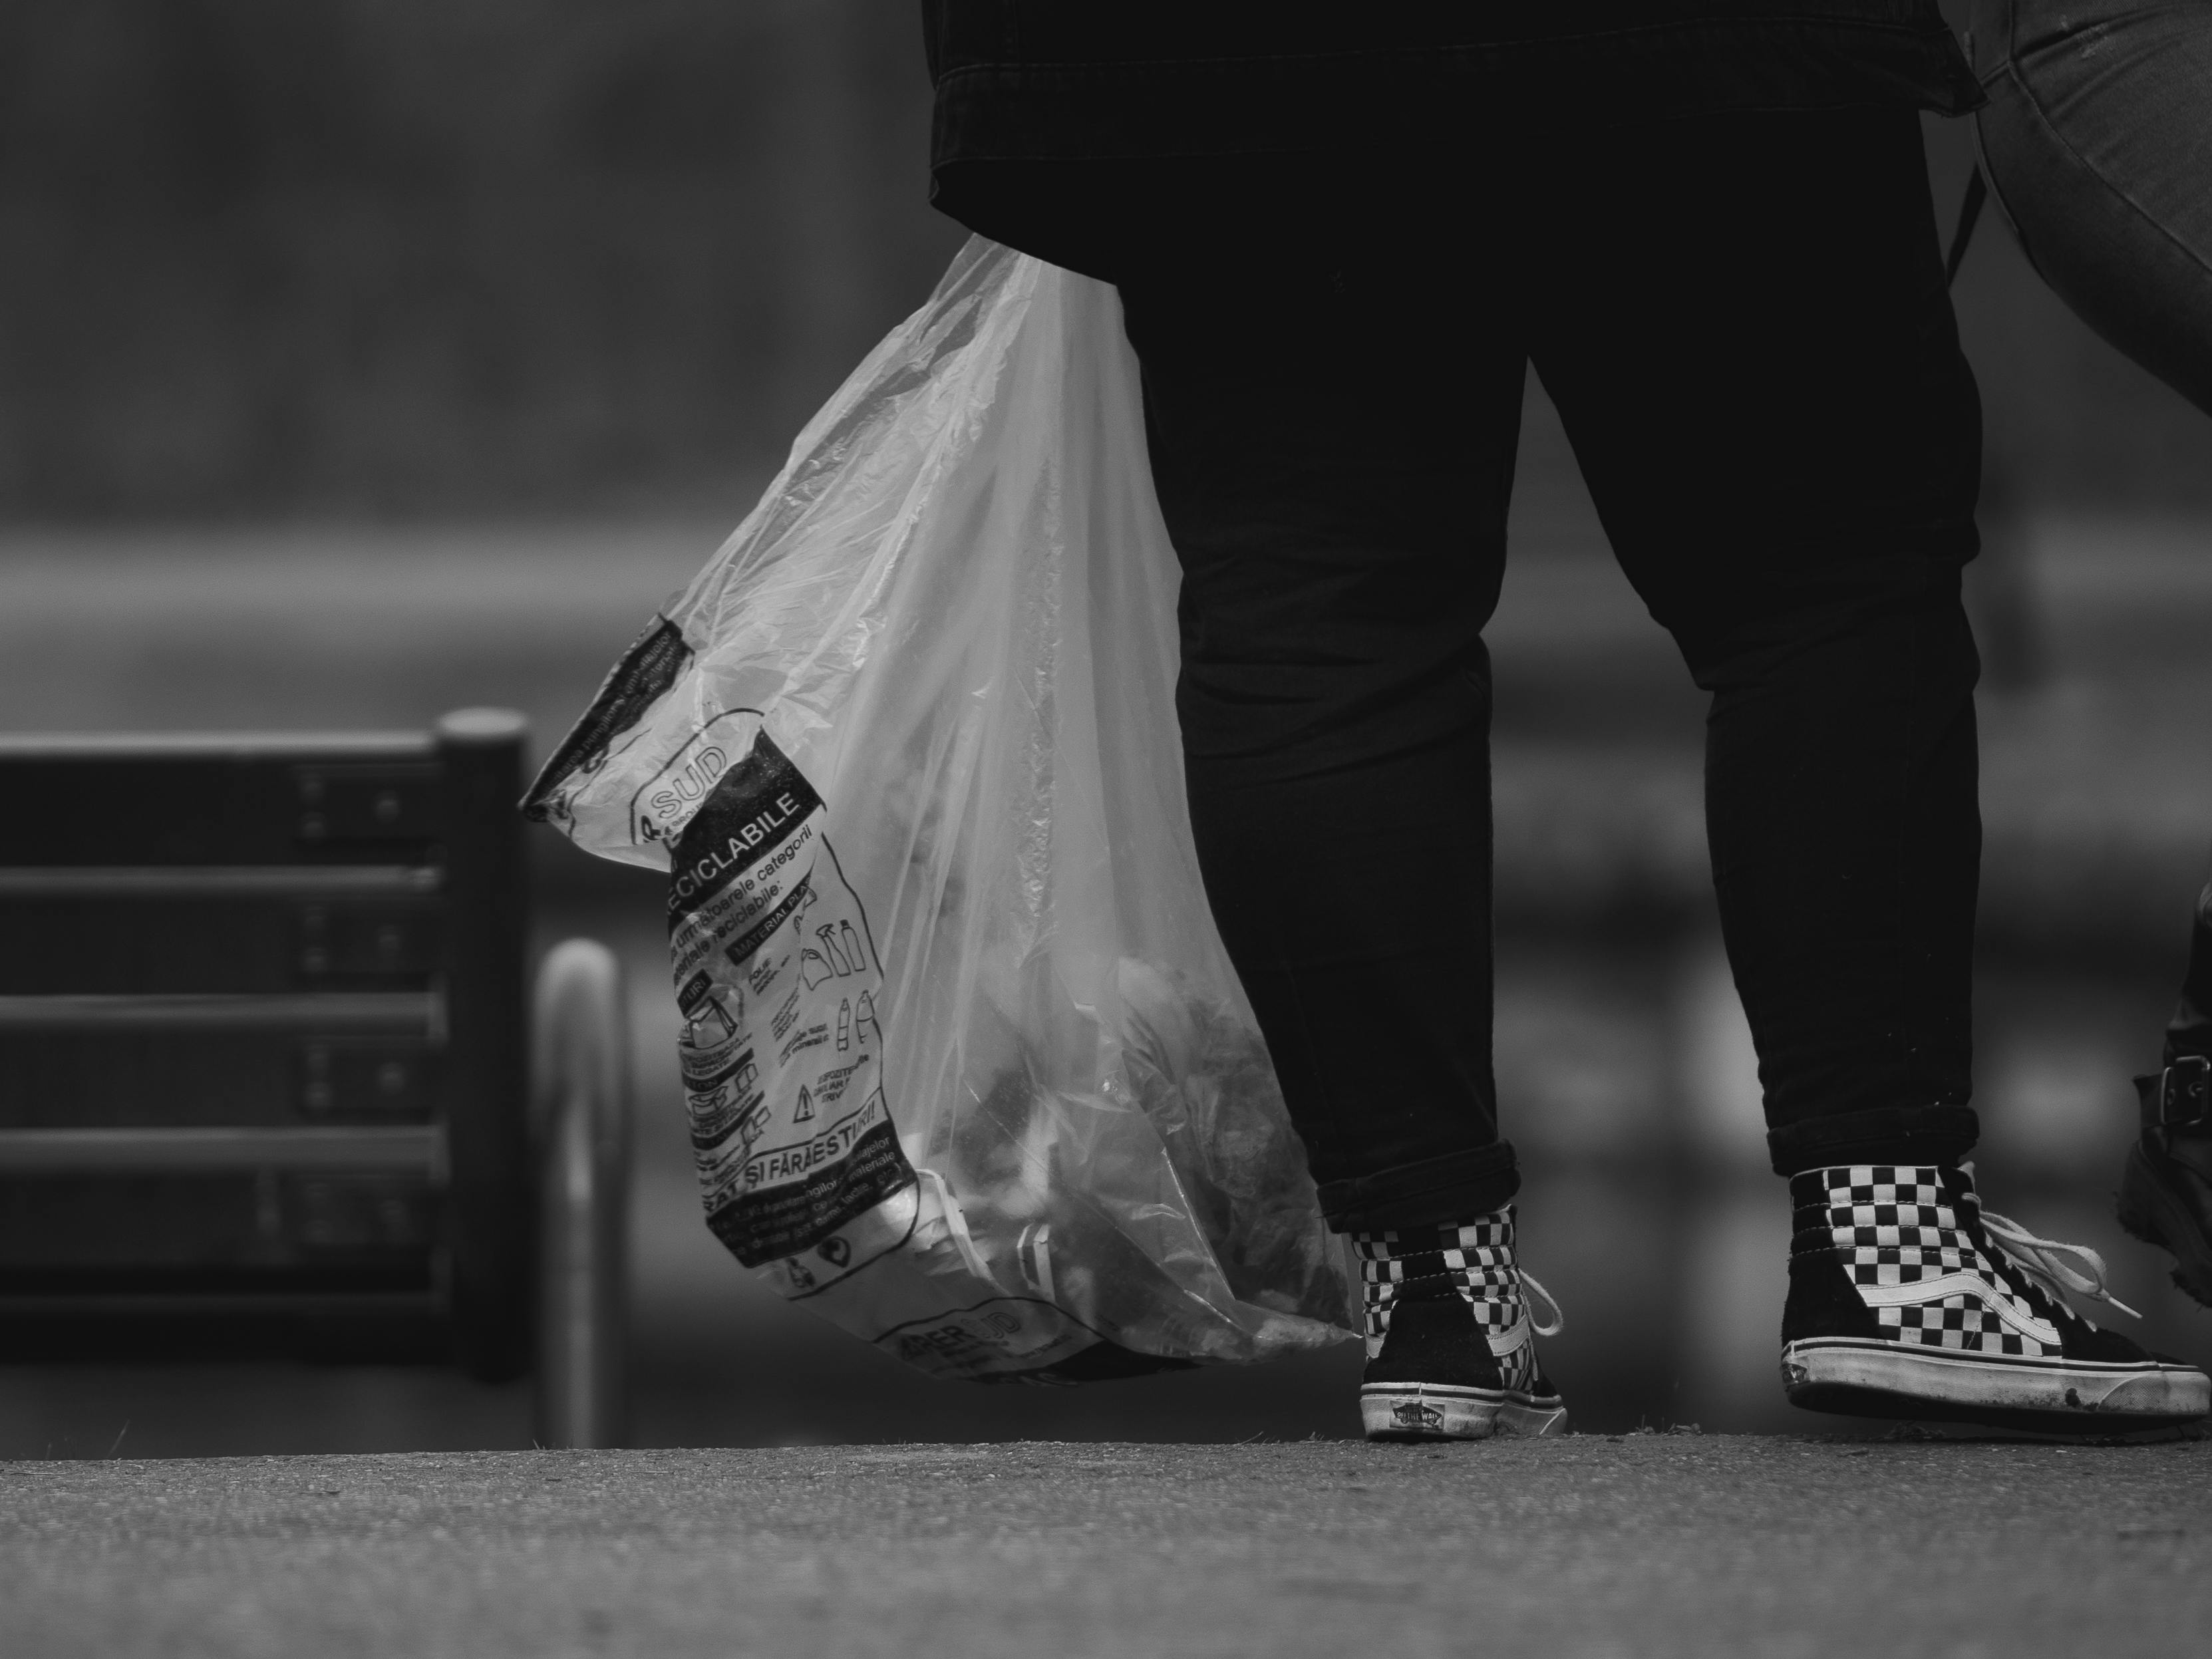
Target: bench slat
415, 1148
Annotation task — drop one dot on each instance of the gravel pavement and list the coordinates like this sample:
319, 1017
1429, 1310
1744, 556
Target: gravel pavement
1588, 1544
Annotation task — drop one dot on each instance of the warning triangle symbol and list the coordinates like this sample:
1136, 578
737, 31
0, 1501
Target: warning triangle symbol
805, 1111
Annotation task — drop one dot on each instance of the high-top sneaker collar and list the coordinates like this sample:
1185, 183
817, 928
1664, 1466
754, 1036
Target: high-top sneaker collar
1883, 1195
1473, 1260
1900, 1218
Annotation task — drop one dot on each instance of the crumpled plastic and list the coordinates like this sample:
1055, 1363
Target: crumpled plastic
968, 1070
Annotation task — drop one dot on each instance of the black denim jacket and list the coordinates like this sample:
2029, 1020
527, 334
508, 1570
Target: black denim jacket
1064, 127
1042, 79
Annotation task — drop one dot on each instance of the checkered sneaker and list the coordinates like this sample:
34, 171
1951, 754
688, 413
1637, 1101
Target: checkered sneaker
1907, 1298
1452, 1323
1473, 1260
1898, 1229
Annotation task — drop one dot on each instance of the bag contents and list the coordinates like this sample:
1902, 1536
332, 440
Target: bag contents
968, 1070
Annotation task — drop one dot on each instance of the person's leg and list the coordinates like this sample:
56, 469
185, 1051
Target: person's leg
1332, 426
1753, 353
1333, 453
1782, 437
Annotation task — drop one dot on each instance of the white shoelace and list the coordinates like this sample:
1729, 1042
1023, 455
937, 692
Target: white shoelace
2045, 1260
1559, 1316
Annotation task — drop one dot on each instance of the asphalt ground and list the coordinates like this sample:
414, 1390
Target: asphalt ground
1586, 1544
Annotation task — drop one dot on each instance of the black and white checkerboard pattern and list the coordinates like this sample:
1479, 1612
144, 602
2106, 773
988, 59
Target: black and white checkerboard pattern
1476, 1259
1904, 1224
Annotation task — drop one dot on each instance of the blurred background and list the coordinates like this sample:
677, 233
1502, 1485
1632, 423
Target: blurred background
362, 359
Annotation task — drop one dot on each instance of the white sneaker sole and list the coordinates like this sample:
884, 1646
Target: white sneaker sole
1440, 1411
1864, 1377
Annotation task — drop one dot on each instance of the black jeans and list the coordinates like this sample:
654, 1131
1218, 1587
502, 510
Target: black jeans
1743, 321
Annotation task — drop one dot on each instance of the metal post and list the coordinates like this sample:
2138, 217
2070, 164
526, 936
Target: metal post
581, 1109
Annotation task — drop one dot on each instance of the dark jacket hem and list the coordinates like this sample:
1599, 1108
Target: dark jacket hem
1037, 111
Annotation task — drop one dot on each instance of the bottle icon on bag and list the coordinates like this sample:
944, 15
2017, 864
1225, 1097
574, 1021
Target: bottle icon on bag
832, 951
844, 1025
851, 941
864, 1018
710, 1036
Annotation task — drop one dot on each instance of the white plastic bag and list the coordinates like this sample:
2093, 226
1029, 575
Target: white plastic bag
968, 1068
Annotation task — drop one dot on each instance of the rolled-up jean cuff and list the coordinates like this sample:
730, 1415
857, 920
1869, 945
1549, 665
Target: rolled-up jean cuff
1887, 1135
1435, 1191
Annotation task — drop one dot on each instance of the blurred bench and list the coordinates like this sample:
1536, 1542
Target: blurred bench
265, 1066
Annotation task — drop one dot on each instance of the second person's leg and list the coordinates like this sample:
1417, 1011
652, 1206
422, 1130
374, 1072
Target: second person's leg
1752, 348
1783, 438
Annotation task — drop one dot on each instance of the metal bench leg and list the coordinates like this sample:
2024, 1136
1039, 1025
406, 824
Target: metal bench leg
580, 1074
